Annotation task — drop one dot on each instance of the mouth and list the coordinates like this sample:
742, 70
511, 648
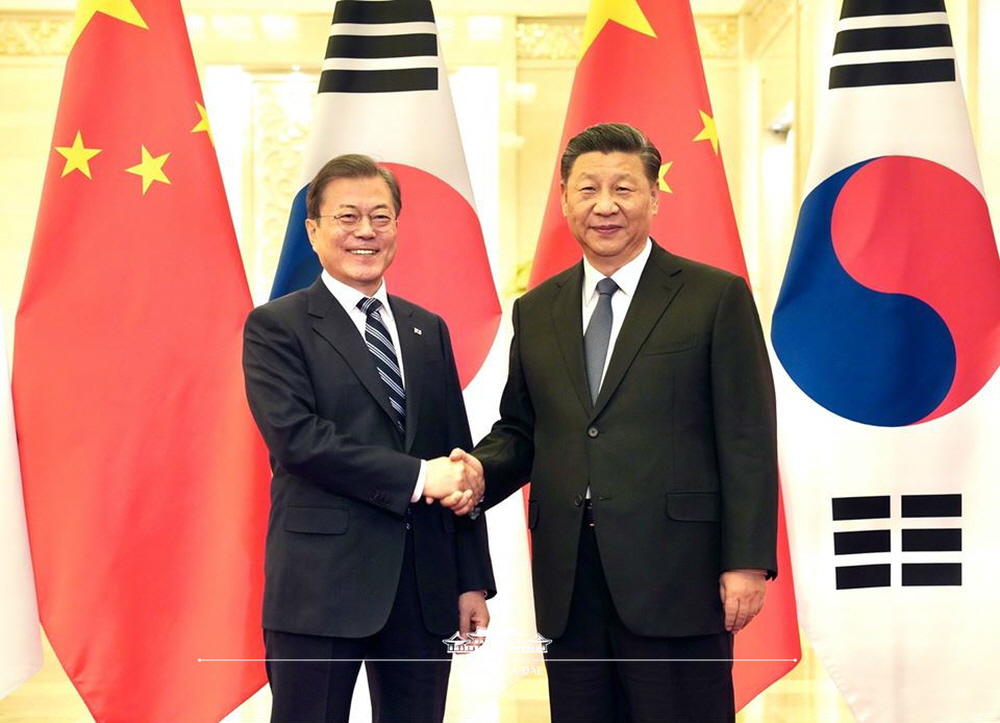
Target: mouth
606, 228
362, 252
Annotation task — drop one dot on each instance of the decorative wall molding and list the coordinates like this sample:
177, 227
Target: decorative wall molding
762, 20
718, 36
549, 39
556, 38
278, 139
35, 35
560, 38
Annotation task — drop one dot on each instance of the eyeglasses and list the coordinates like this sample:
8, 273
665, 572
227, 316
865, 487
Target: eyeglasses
380, 220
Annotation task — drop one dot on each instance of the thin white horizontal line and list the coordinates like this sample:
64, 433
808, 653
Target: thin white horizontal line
895, 55
893, 21
410, 61
382, 28
548, 660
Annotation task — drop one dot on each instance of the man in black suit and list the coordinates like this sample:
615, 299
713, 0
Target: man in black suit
640, 405
357, 396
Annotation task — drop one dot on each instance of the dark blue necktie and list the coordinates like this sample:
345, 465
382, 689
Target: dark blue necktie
380, 345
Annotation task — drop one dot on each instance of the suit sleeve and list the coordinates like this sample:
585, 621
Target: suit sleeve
475, 569
508, 451
314, 449
746, 436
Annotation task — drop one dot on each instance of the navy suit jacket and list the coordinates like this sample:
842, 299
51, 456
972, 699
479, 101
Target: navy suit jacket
343, 474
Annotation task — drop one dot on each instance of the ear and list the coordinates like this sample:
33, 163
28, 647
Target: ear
564, 200
654, 205
312, 228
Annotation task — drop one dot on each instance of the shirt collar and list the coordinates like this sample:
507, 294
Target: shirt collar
349, 297
627, 277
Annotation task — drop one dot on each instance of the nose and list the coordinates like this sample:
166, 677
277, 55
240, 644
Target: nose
365, 228
606, 204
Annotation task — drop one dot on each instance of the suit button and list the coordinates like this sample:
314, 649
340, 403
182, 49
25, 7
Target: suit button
592, 432
578, 500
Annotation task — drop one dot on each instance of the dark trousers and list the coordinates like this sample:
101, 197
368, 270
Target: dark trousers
600, 672
312, 677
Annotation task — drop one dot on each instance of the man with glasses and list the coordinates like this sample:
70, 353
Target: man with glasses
357, 395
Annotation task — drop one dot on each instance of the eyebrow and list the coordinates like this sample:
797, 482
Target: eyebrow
377, 207
620, 177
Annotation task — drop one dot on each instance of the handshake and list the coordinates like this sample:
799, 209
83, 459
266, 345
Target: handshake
455, 481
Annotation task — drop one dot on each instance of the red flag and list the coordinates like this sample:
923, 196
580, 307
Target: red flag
145, 481
641, 65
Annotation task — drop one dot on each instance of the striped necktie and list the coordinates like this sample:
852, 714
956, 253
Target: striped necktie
380, 345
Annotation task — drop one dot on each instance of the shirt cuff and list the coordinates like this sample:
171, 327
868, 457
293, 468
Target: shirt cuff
418, 490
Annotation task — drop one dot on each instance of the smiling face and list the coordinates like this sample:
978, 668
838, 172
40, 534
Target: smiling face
609, 205
358, 258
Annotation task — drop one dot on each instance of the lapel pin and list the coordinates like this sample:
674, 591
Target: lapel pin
417, 331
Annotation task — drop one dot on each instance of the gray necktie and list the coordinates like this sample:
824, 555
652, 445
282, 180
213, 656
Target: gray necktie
598, 335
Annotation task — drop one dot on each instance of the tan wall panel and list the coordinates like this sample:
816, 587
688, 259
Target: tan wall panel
541, 113
30, 91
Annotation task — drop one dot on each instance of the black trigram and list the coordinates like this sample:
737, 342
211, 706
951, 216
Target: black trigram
374, 30
887, 36
878, 540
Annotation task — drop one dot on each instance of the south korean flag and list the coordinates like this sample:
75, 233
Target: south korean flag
384, 92
886, 337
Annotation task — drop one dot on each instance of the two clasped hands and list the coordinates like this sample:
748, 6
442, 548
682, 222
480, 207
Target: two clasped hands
456, 481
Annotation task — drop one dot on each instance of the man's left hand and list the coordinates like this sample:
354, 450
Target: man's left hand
742, 593
473, 616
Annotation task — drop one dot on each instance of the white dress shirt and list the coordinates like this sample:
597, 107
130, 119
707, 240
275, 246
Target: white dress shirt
348, 297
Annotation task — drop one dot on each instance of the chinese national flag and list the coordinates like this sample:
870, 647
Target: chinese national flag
641, 65
145, 481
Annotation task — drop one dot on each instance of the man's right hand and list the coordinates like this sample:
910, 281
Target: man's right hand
445, 482
456, 481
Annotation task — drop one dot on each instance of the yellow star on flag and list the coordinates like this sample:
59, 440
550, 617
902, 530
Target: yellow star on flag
660, 178
203, 126
708, 132
123, 10
151, 169
624, 12
77, 156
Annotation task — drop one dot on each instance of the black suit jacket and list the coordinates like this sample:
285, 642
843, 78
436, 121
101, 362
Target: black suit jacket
343, 474
679, 451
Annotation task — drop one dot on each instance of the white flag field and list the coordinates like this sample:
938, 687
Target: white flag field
886, 337
21, 646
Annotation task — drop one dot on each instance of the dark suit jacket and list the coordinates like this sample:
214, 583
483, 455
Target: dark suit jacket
343, 474
679, 451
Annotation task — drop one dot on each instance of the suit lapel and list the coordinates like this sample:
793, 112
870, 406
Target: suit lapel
656, 289
412, 353
567, 319
333, 324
